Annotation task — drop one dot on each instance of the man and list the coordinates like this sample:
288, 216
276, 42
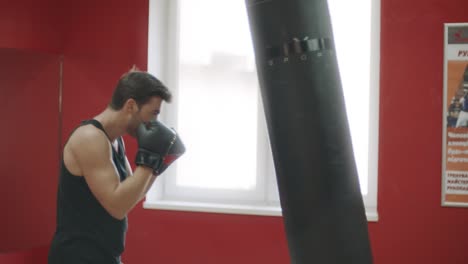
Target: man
453, 112
96, 186
462, 120
463, 115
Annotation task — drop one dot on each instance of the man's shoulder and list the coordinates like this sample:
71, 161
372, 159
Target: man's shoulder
86, 135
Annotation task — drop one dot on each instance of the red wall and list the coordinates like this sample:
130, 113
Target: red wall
105, 38
413, 227
29, 85
102, 41
33, 25
37, 255
30, 44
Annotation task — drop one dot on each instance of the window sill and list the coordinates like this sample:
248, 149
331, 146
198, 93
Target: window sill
214, 208
372, 216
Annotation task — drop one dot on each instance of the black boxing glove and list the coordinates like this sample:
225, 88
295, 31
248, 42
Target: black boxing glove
176, 149
158, 146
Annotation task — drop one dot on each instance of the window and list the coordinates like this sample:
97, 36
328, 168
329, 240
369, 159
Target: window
228, 165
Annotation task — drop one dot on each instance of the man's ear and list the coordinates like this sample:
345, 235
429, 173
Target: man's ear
131, 106
134, 68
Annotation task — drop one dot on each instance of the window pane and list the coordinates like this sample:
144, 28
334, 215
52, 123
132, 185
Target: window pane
218, 92
353, 42
217, 96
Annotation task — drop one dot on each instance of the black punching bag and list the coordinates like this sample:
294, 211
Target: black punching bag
318, 183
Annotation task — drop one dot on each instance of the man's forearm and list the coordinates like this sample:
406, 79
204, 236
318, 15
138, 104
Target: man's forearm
148, 186
129, 192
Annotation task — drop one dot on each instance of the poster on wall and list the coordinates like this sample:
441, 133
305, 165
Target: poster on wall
455, 116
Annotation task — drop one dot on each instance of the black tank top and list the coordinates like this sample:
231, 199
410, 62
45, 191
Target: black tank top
86, 232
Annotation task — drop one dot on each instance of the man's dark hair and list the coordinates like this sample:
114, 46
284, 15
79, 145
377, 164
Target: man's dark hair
140, 86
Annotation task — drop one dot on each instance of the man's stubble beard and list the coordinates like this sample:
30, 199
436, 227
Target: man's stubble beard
133, 126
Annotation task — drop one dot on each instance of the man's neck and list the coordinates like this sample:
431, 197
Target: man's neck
112, 123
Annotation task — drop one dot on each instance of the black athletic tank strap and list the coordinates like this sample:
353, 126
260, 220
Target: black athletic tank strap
121, 159
117, 155
121, 146
97, 124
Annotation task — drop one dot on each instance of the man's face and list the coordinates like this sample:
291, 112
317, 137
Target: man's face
145, 114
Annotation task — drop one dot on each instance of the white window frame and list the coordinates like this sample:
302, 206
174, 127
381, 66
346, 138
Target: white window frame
162, 59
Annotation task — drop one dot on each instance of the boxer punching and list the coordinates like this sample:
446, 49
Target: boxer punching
97, 187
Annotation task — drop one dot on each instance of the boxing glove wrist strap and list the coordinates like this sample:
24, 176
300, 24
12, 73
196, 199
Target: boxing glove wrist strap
148, 159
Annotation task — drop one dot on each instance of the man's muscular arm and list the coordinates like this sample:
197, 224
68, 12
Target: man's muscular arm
93, 153
150, 182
